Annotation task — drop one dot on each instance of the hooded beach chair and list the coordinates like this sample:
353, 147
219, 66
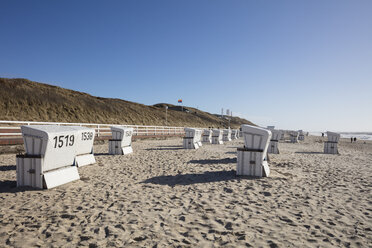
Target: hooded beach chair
192, 139
121, 142
274, 141
330, 146
217, 136
251, 160
207, 136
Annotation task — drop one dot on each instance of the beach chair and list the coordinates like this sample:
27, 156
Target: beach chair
301, 135
50, 158
251, 160
234, 134
207, 136
274, 141
198, 138
237, 133
293, 136
192, 139
330, 146
217, 136
121, 142
226, 135
85, 140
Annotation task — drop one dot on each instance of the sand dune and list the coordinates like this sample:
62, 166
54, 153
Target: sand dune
163, 195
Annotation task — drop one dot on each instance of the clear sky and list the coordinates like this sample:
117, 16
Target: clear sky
293, 64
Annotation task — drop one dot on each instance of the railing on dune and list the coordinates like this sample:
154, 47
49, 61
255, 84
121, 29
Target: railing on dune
10, 131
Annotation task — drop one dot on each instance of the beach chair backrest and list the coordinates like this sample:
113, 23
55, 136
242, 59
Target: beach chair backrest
256, 138
333, 137
276, 134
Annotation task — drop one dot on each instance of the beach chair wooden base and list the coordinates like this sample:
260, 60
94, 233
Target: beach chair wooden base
216, 140
330, 147
251, 163
29, 173
188, 143
116, 149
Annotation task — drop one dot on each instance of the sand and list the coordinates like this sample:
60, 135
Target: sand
165, 196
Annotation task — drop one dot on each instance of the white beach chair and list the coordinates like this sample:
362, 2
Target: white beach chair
226, 135
294, 136
85, 140
192, 139
207, 136
301, 135
330, 146
274, 142
234, 134
251, 160
217, 136
198, 137
50, 158
121, 142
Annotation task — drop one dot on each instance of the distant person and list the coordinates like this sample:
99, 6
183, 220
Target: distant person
351, 139
322, 134
354, 139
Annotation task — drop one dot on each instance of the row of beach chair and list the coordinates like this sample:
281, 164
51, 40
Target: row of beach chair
194, 137
53, 153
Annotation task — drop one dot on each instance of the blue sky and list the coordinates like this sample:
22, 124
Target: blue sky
293, 64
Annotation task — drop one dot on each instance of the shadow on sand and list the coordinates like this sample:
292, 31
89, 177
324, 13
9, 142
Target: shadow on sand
188, 179
8, 186
214, 161
160, 148
101, 154
310, 152
178, 146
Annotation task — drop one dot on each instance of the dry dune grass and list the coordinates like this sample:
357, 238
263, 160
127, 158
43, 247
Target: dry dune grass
22, 99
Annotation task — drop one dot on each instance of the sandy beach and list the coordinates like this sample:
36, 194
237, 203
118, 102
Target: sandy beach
165, 196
